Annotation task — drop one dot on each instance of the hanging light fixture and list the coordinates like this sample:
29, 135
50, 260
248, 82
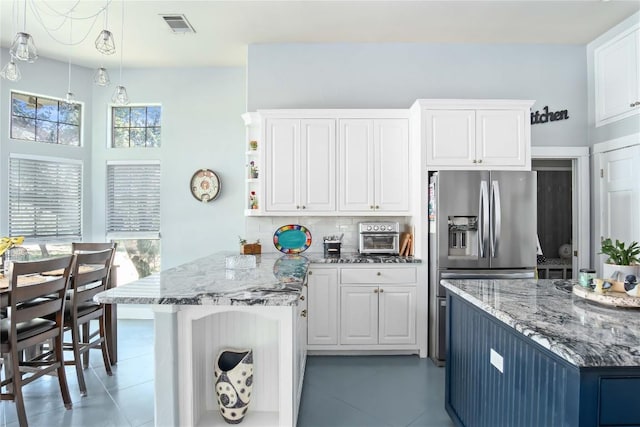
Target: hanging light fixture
105, 43
23, 48
70, 98
11, 71
120, 96
101, 77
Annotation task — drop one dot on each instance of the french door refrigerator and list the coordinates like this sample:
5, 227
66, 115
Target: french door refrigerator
482, 224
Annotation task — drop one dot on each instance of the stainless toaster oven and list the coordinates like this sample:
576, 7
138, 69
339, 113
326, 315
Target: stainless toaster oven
379, 238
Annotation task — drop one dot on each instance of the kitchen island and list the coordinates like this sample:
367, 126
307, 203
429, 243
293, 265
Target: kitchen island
202, 307
527, 352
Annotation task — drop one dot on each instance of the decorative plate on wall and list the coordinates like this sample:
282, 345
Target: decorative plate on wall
292, 239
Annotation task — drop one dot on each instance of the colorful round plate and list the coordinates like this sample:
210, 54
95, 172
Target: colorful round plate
292, 239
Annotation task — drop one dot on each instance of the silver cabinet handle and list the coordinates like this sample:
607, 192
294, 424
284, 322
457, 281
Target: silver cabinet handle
480, 161
377, 207
303, 313
304, 207
475, 161
381, 290
375, 291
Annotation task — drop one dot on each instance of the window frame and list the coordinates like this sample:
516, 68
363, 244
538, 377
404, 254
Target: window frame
50, 159
81, 142
110, 130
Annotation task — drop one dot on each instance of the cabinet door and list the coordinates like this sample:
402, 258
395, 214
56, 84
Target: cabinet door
323, 307
282, 164
501, 138
617, 73
318, 165
620, 195
355, 143
397, 313
391, 165
450, 137
359, 315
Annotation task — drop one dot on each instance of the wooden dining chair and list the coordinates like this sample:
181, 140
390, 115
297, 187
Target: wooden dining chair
35, 307
89, 277
99, 246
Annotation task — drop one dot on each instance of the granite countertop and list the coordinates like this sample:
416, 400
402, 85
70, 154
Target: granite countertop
276, 281
357, 258
583, 333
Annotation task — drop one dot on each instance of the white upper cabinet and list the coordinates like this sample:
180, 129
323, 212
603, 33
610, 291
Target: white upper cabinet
373, 165
617, 77
300, 165
500, 138
282, 165
475, 134
451, 137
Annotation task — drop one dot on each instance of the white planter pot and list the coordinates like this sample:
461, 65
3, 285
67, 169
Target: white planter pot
616, 274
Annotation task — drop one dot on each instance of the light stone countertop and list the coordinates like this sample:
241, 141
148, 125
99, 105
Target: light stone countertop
276, 280
584, 333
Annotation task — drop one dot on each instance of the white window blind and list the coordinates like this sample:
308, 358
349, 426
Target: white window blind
133, 200
45, 199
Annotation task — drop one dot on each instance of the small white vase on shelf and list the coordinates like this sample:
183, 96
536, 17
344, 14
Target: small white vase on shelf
233, 382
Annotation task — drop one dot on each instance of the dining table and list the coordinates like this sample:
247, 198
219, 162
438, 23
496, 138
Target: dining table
110, 316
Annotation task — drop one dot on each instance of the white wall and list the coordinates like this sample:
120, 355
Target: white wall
394, 75
620, 128
47, 78
201, 128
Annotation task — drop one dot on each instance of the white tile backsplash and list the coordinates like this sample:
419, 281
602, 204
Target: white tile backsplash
263, 228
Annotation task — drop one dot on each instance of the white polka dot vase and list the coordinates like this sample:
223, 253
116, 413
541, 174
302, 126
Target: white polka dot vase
234, 381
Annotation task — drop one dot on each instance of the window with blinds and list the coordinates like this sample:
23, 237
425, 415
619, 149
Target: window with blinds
45, 199
133, 200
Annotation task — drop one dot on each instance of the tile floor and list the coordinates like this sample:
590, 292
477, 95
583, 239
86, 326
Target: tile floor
338, 391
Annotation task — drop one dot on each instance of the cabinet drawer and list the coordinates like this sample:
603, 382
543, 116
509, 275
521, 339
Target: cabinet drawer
378, 275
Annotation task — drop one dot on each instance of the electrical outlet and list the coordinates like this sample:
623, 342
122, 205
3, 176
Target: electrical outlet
497, 361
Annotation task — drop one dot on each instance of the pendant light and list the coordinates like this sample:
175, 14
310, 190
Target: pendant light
105, 43
120, 96
23, 48
101, 77
11, 71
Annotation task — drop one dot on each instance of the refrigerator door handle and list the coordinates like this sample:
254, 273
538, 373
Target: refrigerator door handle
496, 220
483, 218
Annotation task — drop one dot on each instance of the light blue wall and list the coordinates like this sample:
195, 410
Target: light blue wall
48, 78
201, 128
394, 75
624, 127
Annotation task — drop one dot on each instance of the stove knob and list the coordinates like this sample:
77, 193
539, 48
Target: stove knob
382, 228
368, 228
375, 228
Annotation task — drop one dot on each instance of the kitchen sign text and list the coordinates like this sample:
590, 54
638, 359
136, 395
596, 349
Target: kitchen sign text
548, 116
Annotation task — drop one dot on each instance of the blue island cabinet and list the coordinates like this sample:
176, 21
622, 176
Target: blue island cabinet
496, 376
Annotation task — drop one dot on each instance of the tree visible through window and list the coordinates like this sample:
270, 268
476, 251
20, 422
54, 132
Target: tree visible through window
135, 126
36, 118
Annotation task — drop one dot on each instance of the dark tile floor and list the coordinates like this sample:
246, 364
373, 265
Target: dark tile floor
338, 391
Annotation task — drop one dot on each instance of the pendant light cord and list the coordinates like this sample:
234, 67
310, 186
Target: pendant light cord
121, 42
70, 39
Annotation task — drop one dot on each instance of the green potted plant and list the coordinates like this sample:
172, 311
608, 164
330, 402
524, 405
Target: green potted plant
621, 261
250, 248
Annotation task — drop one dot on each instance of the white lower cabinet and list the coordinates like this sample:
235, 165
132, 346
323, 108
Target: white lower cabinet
362, 308
378, 315
359, 315
322, 306
300, 347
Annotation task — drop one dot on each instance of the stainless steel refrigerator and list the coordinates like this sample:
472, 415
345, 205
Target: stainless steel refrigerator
482, 224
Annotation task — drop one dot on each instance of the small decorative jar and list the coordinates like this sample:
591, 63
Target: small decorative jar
253, 145
233, 372
586, 277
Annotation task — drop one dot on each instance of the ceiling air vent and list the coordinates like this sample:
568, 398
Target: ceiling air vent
178, 24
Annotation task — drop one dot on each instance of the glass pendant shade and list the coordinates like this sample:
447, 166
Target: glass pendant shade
105, 43
120, 96
101, 77
11, 71
23, 48
70, 98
